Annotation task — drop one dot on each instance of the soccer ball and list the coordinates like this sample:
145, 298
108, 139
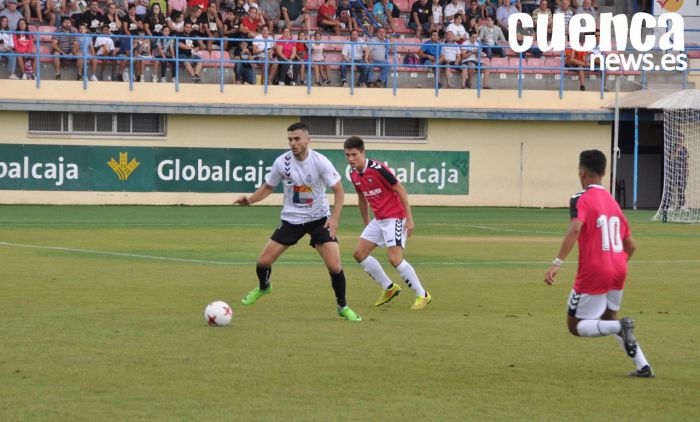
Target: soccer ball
218, 314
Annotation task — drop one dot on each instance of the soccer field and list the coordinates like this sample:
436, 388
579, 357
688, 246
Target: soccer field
101, 312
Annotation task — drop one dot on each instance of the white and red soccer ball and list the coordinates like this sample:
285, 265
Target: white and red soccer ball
218, 314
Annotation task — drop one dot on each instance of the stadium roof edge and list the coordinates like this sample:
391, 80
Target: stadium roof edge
310, 110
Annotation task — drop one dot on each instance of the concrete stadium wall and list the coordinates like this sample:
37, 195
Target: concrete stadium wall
512, 163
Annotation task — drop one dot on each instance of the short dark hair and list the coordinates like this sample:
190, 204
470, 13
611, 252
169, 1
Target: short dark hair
594, 161
298, 126
354, 142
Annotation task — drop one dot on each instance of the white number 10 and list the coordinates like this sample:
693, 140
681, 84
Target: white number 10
611, 232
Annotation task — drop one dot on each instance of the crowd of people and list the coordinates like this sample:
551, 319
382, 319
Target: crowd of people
107, 33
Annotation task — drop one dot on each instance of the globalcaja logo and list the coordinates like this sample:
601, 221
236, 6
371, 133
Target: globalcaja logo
601, 53
125, 167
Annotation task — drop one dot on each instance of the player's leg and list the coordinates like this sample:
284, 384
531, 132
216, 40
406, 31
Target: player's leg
584, 313
372, 267
395, 234
327, 247
283, 237
625, 337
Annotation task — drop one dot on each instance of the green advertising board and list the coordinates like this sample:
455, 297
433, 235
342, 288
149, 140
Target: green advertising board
148, 169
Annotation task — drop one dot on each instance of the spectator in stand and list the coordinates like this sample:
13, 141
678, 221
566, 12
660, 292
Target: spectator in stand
286, 51
270, 11
142, 46
93, 17
504, 13
165, 50
213, 26
188, 49
24, 44
528, 6
202, 4
420, 20
438, 18
250, 3
239, 9
587, 8
302, 55
431, 51
489, 36
376, 55
13, 16
293, 14
522, 32
264, 46
488, 8
114, 23
75, 9
472, 26
233, 30
317, 57
176, 22
198, 21
176, 5
454, 8
568, 12
142, 8
343, 14
244, 69
251, 23
85, 49
543, 10
63, 43
382, 14
474, 11
577, 60
458, 31
104, 47
155, 21
471, 56
353, 52
131, 25
7, 45
325, 19
450, 57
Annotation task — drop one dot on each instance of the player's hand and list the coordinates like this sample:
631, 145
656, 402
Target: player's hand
242, 200
332, 226
551, 273
409, 226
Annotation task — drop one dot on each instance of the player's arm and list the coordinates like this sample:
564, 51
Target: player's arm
364, 208
566, 246
263, 192
403, 197
338, 198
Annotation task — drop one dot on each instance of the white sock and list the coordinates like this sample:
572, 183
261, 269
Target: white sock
375, 270
639, 360
597, 328
409, 275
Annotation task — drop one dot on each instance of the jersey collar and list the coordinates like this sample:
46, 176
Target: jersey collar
595, 186
364, 169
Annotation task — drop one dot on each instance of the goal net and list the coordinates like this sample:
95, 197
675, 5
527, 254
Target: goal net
680, 201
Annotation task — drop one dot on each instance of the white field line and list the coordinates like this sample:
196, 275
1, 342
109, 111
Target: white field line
302, 262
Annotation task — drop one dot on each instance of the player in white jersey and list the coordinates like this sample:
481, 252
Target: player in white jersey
304, 174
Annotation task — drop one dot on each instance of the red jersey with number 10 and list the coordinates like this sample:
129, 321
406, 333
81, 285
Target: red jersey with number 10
602, 261
374, 183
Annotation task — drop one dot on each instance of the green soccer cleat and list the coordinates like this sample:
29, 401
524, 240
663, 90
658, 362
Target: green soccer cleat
254, 295
388, 294
349, 314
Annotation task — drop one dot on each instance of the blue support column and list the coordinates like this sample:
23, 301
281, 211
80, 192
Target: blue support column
636, 158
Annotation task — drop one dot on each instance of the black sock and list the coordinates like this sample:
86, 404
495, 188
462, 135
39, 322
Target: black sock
338, 283
263, 276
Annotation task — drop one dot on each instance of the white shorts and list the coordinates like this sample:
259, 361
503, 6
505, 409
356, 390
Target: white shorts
587, 306
386, 233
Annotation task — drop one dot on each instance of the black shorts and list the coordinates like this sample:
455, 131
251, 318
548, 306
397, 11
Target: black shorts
289, 234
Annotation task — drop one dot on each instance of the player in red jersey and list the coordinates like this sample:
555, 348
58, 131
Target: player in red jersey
377, 187
605, 245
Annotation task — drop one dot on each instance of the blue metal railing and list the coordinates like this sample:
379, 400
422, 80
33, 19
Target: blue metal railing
365, 68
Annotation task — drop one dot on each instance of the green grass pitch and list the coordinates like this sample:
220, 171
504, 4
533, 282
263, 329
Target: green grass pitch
101, 316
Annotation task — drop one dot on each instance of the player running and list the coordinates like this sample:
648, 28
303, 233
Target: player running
304, 174
392, 223
605, 245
